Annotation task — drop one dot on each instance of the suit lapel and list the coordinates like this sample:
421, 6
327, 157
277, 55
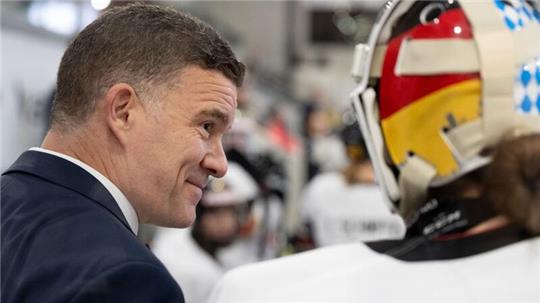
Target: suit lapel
64, 173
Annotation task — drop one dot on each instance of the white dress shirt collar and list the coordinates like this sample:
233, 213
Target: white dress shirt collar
125, 206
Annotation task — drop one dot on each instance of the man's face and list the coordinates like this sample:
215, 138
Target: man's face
171, 154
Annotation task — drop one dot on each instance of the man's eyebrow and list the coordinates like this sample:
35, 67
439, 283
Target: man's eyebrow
214, 113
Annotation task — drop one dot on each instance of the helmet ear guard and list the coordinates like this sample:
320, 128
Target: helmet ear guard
493, 53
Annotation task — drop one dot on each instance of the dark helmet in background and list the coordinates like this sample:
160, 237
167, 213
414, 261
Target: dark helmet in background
353, 139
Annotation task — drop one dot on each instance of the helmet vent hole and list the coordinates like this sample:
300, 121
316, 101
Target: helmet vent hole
451, 119
431, 13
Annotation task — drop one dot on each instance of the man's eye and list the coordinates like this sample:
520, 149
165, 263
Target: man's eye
208, 126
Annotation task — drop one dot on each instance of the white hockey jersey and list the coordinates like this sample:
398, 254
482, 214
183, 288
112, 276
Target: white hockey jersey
342, 213
355, 273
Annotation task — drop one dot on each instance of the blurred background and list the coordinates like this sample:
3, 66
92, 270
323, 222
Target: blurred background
290, 128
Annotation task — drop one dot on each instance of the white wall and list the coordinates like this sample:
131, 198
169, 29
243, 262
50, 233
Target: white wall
332, 81
29, 64
261, 26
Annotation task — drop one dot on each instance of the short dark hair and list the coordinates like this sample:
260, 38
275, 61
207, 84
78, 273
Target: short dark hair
510, 183
513, 181
138, 44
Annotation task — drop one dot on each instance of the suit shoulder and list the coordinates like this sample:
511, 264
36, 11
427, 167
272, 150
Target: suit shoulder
132, 281
19, 190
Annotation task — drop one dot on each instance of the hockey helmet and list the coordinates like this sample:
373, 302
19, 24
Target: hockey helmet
439, 84
235, 188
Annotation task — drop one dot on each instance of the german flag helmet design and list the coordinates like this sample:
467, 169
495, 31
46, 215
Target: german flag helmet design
439, 83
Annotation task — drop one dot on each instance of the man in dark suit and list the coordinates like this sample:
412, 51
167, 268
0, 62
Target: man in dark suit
144, 95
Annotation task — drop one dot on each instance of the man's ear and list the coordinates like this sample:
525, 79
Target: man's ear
122, 108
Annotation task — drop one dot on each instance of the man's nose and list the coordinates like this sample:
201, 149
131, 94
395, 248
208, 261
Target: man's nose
215, 161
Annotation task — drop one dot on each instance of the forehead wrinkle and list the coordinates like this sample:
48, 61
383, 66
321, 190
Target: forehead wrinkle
222, 99
213, 87
209, 87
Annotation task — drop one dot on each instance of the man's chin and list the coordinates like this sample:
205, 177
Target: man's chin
185, 222
174, 222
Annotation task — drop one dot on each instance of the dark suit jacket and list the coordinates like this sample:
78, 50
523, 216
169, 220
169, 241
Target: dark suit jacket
64, 239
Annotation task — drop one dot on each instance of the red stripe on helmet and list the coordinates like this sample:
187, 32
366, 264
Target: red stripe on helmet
397, 92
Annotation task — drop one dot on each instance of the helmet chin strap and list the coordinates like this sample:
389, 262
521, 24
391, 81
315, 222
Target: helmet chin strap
414, 179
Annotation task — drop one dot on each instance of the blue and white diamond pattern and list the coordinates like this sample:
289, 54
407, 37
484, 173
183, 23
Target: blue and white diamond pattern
517, 13
527, 88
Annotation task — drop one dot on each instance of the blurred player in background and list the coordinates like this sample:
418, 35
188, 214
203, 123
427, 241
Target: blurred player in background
347, 205
192, 256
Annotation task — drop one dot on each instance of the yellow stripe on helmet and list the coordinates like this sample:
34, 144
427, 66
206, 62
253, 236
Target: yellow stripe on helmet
417, 128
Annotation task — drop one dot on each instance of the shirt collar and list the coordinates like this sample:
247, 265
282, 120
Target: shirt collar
123, 203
